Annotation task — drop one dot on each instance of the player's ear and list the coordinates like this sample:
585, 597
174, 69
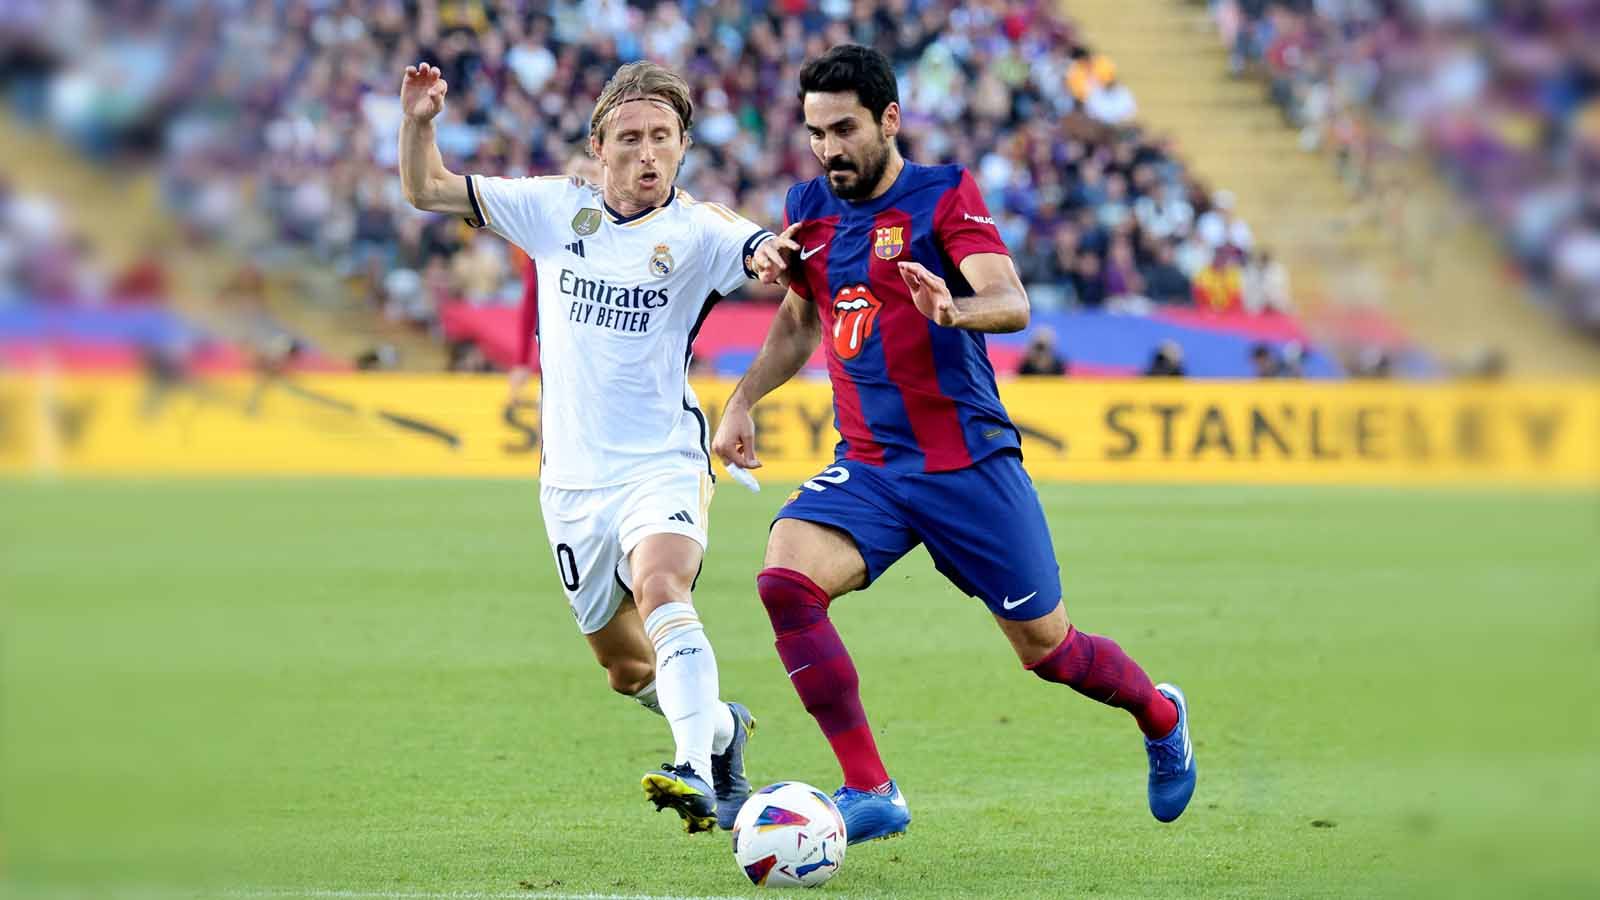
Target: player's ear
594, 148
889, 124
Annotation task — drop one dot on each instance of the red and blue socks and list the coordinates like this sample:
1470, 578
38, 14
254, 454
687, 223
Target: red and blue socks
822, 672
1096, 667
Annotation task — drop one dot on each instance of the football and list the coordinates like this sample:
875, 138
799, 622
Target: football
789, 834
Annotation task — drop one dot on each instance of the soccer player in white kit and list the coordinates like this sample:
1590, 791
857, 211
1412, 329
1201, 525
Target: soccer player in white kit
627, 271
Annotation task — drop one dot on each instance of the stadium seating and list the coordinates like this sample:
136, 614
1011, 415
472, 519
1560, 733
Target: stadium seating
286, 115
1503, 97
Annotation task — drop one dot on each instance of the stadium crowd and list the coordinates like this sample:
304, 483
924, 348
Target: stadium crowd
284, 113
45, 262
1504, 96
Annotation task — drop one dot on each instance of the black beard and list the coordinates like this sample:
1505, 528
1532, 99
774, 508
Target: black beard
868, 174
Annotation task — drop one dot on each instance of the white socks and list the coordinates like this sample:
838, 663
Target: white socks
647, 699
686, 686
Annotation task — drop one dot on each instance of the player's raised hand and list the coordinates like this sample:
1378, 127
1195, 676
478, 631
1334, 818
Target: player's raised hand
422, 92
735, 441
771, 260
930, 294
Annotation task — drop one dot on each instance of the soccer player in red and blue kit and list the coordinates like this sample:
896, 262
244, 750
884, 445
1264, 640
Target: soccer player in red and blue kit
900, 269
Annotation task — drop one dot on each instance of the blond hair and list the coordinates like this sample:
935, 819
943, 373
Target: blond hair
643, 80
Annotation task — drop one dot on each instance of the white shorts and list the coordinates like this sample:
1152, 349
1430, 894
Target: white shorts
592, 531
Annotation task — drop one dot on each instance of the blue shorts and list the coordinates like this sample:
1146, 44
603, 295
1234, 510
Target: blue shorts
983, 526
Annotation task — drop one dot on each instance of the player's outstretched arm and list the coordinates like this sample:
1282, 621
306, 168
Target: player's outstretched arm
998, 302
427, 184
791, 340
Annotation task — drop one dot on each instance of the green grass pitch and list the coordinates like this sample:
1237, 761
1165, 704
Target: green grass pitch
373, 689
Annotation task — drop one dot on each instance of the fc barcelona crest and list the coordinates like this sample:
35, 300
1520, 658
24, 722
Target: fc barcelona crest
887, 242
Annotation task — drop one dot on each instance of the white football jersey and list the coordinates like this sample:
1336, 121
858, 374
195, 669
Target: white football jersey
620, 301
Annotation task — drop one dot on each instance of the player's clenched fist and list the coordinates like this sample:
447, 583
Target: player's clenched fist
930, 294
422, 92
772, 258
735, 441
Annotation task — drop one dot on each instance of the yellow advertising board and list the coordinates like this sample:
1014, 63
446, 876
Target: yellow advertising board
1117, 430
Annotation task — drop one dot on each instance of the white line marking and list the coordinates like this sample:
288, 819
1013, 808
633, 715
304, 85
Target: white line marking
325, 894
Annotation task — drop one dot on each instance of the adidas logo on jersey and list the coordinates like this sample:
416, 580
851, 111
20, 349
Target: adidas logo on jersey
575, 247
681, 516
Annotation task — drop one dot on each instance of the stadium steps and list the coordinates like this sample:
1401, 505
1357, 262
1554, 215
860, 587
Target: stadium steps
120, 211
1423, 262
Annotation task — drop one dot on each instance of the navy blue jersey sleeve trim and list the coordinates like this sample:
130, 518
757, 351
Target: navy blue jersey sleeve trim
712, 300
750, 249
477, 220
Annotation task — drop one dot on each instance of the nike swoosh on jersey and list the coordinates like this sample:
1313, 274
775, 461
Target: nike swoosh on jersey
807, 254
1009, 603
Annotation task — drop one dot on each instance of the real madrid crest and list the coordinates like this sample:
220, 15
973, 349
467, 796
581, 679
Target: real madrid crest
586, 222
887, 242
661, 262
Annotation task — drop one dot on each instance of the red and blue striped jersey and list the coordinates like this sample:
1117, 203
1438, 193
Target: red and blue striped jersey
907, 394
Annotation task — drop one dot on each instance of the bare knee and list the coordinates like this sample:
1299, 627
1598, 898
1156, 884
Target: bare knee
658, 588
629, 676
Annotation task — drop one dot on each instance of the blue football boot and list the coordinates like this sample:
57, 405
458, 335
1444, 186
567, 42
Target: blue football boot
727, 769
871, 816
684, 792
1172, 768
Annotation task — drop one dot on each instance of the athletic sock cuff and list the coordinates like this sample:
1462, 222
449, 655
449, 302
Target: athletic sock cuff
668, 619
1049, 659
799, 580
646, 697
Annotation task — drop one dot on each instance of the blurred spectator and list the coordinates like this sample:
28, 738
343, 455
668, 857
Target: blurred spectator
1265, 284
1088, 73
1041, 357
1164, 281
1111, 103
1219, 287
1221, 229
482, 272
381, 357
143, 281
1167, 361
1123, 280
1293, 362
1088, 283
1371, 362
467, 356
1264, 362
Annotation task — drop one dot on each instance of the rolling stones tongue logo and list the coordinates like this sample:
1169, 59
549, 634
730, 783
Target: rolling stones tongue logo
854, 310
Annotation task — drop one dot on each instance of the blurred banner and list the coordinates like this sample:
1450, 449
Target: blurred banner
1134, 430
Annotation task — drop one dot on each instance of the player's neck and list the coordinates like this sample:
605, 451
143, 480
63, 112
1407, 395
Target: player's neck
891, 173
624, 207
